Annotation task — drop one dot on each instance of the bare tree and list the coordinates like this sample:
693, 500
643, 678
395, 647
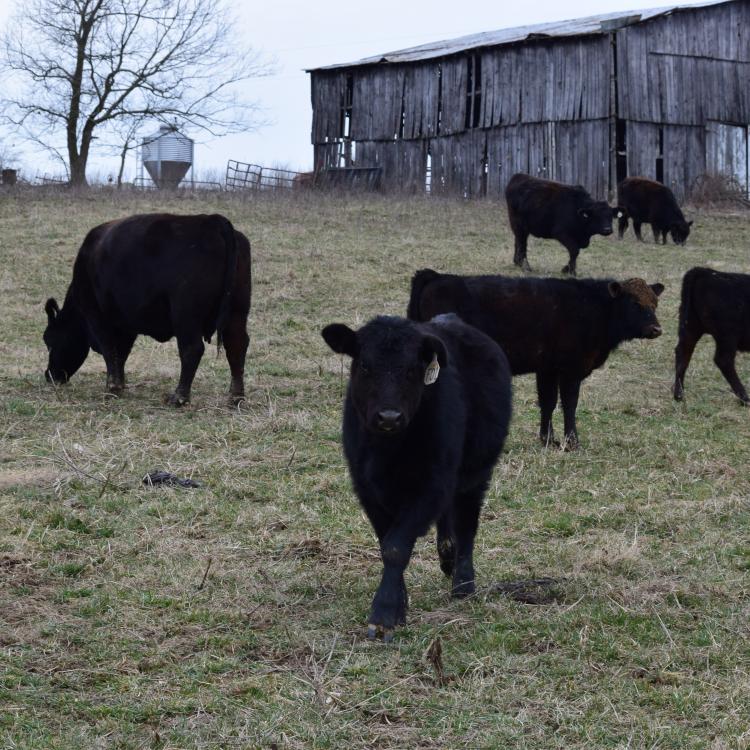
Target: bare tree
87, 66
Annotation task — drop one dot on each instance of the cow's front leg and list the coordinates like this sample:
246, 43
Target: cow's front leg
107, 344
191, 350
547, 390
569, 389
622, 225
390, 603
123, 345
520, 249
570, 268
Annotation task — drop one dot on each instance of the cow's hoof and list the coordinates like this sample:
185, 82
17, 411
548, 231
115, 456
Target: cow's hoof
568, 270
463, 589
177, 399
745, 401
376, 631
549, 442
678, 394
236, 399
115, 387
447, 555
571, 444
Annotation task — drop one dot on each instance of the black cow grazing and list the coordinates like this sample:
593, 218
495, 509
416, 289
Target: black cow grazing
716, 303
159, 275
649, 202
552, 210
560, 329
425, 417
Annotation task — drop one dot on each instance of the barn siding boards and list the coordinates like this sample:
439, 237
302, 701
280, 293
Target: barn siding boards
684, 158
404, 163
686, 68
642, 149
548, 104
572, 152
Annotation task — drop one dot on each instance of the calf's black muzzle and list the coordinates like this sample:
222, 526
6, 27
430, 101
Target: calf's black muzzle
389, 420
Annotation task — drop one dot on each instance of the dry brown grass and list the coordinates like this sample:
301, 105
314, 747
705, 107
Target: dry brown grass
232, 616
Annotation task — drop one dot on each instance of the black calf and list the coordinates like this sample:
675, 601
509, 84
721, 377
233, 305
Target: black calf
716, 303
425, 417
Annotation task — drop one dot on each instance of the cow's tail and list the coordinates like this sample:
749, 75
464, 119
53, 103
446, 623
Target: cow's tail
686, 298
230, 243
418, 282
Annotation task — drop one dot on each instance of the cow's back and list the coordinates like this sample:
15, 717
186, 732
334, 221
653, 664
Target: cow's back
538, 323
648, 201
717, 303
152, 273
543, 207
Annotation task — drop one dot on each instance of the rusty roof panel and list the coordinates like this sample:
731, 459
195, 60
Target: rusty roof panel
591, 25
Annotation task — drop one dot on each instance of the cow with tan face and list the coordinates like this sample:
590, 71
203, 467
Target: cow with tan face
559, 329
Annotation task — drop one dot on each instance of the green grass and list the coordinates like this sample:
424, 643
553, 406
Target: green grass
108, 639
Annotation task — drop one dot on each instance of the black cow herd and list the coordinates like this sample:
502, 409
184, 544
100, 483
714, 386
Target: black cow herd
428, 402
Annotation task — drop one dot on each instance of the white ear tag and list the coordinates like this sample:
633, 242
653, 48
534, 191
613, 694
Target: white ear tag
432, 371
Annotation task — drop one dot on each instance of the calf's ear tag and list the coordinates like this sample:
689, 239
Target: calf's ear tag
432, 371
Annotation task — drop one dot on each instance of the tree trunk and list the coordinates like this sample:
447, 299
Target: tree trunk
123, 154
78, 171
79, 159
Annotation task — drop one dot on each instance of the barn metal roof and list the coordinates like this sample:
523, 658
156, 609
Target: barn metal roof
591, 25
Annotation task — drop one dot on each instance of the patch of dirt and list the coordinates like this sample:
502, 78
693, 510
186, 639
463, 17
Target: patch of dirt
533, 591
30, 477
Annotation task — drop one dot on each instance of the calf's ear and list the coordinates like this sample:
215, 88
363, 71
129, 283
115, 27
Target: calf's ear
690, 223
618, 212
51, 308
657, 288
615, 288
431, 346
341, 339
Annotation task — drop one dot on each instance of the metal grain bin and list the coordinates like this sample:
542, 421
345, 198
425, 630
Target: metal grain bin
167, 156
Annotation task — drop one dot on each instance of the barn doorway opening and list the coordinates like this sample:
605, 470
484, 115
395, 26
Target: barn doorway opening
660, 158
728, 153
346, 147
473, 91
621, 150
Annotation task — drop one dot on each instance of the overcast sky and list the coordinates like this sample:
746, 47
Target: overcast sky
302, 34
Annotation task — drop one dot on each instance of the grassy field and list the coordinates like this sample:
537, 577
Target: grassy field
234, 615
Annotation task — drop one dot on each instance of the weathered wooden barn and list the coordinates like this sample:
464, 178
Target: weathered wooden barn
663, 93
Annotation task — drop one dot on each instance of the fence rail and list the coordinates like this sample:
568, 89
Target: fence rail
145, 183
243, 176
